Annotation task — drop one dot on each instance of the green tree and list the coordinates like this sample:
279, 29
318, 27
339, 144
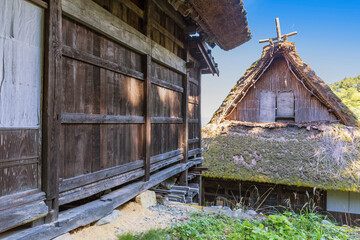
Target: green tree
348, 90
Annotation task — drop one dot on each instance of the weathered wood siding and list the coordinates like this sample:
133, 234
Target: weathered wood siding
106, 105
278, 79
21, 38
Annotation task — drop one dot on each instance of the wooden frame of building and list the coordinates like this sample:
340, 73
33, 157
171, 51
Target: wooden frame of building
117, 96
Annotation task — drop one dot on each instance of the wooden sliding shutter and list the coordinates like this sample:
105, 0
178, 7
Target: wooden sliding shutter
285, 105
267, 106
21, 65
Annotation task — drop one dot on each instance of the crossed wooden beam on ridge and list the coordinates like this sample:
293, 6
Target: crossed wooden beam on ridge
279, 37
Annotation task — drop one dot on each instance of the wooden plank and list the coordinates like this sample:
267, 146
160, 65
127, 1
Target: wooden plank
81, 118
167, 58
194, 140
163, 156
82, 180
93, 188
52, 89
159, 165
21, 215
22, 198
194, 152
194, 81
100, 62
167, 34
133, 7
167, 85
170, 11
193, 120
93, 211
148, 119
95, 17
168, 120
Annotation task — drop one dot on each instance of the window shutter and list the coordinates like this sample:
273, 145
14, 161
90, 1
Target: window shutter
285, 105
267, 106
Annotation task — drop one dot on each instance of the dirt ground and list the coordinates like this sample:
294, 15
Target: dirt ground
135, 218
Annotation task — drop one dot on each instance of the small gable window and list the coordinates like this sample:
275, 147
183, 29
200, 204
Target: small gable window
277, 107
285, 107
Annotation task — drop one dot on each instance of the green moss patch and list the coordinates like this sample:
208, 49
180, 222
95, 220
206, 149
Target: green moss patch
327, 157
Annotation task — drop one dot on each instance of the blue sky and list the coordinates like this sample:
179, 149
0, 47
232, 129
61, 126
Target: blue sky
328, 40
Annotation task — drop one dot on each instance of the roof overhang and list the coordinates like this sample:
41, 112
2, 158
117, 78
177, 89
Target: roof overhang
218, 22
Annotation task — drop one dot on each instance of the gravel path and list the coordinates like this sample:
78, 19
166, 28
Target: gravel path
135, 218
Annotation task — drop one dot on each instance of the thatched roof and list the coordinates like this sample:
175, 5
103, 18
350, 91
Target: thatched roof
223, 22
302, 71
321, 156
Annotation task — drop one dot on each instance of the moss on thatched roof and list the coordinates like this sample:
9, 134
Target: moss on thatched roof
299, 68
321, 156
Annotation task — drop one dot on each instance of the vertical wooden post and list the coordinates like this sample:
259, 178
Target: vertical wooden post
147, 102
200, 139
185, 114
147, 91
51, 108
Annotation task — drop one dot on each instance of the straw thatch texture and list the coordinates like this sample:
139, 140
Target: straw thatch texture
321, 156
219, 22
302, 71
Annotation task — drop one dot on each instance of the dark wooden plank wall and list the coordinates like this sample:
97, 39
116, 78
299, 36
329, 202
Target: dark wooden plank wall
91, 90
279, 78
104, 107
19, 160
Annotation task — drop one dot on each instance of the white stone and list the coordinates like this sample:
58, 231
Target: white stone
109, 218
237, 213
251, 212
146, 199
65, 236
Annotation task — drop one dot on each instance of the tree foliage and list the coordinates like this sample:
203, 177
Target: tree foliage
348, 90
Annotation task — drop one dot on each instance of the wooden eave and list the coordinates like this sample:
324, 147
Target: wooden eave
219, 22
203, 54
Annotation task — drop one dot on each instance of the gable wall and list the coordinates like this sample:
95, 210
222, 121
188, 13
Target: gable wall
279, 78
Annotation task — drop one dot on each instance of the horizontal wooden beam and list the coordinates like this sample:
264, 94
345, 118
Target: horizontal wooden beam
93, 211
194, 152
194, 81
95, 17
21, 198
167, 120
133, 7
163, 156
159, 165
21, 162
194, 140
193, 100
100, 62
78, 181
93, 188
21, 215
167, 85
81, 118
193, 120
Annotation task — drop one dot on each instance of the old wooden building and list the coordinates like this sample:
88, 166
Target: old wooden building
101, 96
283, 138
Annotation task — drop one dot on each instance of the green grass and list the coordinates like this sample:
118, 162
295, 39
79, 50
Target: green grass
288, 225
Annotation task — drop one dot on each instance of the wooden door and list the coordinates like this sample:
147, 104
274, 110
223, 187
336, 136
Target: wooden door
21, 43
